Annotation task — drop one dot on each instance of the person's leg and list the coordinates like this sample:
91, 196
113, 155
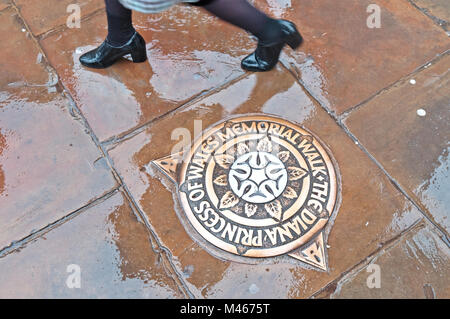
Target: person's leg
242, 14
122, 39
272, 34
120, 26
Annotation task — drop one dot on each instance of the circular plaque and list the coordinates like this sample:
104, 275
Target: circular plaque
257, 186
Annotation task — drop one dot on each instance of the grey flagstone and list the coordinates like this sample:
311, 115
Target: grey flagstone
151, 6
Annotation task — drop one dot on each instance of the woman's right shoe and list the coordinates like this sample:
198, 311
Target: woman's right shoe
266, 55
106, 55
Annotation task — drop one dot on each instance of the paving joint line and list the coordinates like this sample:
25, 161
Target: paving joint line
443, 233
382, 247
400, 81
116, 140
63, 27
160, 247
166, 261
444, 236
48, 67
439, 22
397, 185
19, 244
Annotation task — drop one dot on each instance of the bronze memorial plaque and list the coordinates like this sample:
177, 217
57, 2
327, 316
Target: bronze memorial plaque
257, 187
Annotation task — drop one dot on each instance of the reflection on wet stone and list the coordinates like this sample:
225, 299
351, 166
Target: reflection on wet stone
112, 249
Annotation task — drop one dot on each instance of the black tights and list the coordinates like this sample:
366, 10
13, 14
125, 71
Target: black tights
237, 12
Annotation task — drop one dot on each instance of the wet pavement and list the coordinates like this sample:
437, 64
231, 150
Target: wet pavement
75, 144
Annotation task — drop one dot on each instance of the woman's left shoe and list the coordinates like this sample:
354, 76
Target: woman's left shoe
266, 55
106, 55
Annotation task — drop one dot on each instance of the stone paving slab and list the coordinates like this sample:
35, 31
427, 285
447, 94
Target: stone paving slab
342, 61
372, 210
45, 156
45, 152
416, 267
183, 62
112, 249
413, 149
45, 15
20, 65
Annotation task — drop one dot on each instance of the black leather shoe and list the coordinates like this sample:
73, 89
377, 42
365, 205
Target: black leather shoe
266, 55
106, 55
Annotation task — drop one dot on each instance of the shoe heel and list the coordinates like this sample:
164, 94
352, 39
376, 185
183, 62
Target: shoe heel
294, 40
139, 56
